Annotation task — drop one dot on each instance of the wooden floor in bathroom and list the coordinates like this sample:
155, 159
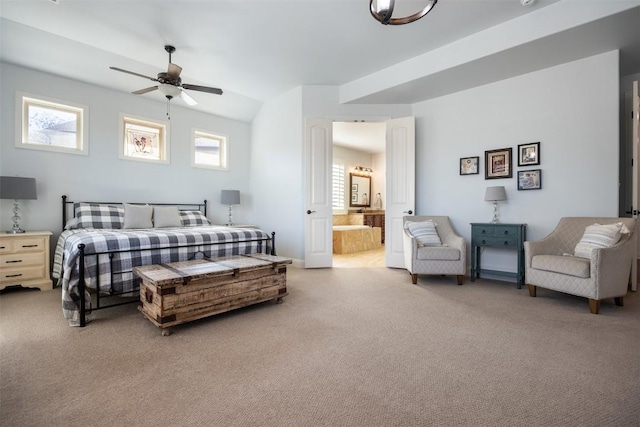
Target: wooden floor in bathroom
372, 258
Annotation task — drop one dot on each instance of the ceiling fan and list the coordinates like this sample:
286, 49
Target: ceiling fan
170, 82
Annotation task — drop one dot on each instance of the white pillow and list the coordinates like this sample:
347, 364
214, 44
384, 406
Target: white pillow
597, 236
166, 216
425, 232
138, 216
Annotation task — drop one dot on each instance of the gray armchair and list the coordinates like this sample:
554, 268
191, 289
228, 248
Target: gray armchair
549, 262
450, 258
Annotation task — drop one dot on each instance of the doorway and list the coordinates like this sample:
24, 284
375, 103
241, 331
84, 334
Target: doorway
359, 159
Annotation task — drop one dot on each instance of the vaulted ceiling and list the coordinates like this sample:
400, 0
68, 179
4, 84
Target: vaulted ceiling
257, 49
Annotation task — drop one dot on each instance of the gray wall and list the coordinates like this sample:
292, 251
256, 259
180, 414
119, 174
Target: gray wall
571, 109
102, 176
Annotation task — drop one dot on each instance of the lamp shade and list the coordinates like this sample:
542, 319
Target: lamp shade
230, 197
495, 194
13, 187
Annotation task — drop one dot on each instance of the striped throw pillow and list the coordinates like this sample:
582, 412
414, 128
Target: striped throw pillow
425, 232
597, 236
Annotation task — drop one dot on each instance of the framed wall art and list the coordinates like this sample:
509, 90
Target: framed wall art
469, 165
529, 154
530, 180
497, 164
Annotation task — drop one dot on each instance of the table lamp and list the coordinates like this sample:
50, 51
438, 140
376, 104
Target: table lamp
495, 195
16, 188
230, 197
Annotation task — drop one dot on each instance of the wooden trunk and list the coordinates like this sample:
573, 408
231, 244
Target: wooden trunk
171, 294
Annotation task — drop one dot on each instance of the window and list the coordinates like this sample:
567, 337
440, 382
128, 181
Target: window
143, 140
338, 187
209, 151
51, 125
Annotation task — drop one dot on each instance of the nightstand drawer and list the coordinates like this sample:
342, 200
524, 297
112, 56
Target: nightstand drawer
502, 231
17, 275
24, 260
481, 231
17, 260
505, 242
24, 245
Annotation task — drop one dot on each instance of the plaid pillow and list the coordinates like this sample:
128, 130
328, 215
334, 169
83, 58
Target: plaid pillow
94, 215
193, 218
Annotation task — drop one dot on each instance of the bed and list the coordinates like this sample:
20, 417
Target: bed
101, 242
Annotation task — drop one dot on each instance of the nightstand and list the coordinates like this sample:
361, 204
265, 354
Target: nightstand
506, 236
24, 260
241, 226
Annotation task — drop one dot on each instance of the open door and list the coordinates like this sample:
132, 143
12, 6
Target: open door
318, 224
400, 189
636, 175
401, 185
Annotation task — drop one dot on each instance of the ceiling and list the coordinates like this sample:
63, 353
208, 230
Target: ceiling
257, 49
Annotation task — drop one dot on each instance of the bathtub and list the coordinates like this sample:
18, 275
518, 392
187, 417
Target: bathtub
355, 238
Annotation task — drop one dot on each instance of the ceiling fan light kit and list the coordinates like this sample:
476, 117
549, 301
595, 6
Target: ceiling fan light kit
170, 83
382, 11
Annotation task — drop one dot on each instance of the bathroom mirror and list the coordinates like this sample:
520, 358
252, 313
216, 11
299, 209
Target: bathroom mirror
360, 191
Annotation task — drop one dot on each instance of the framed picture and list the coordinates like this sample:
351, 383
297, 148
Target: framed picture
354, 188
497, 164
469, 165
530, 180
529, 154
143, 139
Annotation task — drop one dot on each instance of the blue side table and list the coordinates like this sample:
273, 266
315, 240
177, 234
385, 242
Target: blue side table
506, 236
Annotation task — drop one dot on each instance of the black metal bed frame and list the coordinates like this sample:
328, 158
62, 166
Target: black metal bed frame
269, 248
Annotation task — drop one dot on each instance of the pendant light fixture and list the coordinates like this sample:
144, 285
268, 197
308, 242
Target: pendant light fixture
382, 11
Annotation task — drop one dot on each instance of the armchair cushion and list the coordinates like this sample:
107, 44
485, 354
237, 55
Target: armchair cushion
425, 232
598, 236
573, 266
441, 253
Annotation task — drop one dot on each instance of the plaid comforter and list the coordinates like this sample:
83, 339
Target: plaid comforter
115, 252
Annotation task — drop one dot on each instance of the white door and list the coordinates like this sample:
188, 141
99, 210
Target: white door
318, 224
400, 176
636, 175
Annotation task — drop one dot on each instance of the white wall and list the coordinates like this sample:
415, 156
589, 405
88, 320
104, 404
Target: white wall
102, 176
572, 109
277, 172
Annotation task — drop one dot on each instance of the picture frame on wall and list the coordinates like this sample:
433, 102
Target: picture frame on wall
498, 163
529, 154
530, 179
470, 165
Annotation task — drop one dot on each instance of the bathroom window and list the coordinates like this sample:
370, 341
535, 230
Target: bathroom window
338, 187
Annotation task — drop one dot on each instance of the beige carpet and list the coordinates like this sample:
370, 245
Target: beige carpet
348, 347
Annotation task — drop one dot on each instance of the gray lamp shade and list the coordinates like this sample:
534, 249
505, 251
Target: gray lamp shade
13, 187
495, 194
230, 197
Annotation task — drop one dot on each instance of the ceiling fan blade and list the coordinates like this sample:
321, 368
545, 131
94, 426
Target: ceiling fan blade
187, 99
135, 74
174, 70
214, 90
149, 89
